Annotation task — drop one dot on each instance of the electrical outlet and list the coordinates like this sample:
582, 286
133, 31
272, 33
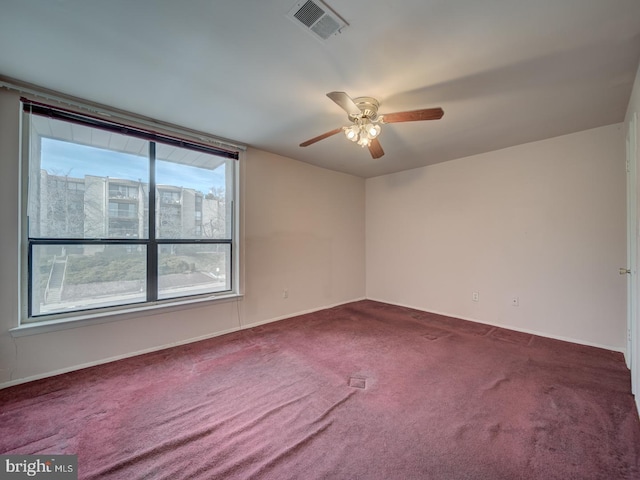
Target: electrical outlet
285, 293
475, 296
515, 302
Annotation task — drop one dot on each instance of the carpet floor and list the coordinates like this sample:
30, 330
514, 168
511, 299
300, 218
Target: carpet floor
365, 391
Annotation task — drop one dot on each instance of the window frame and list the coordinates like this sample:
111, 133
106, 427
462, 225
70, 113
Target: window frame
127, 127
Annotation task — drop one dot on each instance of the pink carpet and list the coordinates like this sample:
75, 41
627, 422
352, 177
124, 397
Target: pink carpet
361, 391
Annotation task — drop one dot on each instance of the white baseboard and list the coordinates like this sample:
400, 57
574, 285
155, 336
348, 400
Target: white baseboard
284, 317
73, 368
511, 327
114, 359
302, 312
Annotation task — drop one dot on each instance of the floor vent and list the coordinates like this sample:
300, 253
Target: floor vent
316, 17
358, 382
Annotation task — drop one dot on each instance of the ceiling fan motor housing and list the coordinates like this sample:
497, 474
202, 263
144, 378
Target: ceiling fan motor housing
368, 106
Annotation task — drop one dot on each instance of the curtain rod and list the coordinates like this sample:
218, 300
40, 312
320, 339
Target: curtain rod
24, 88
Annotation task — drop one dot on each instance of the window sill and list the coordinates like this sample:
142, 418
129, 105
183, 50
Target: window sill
125, 313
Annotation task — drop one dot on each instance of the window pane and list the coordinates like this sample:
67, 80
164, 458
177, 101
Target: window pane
193, 195
86, 182
187, 269
78, 277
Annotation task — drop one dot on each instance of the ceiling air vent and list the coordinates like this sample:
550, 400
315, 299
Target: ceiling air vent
316, 17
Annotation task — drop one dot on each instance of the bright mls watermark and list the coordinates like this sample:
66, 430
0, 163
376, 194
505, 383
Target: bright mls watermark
52, 467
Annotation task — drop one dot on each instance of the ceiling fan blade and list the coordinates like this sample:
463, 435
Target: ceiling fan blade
321, 137
414, 115
376, 149
345, 102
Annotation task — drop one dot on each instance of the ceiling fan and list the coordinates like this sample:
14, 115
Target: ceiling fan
365, 121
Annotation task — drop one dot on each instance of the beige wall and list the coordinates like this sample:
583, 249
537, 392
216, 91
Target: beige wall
303, 229
544, 222
304, 232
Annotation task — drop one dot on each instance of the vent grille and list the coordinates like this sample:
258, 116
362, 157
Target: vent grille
309, 13
325, 27
316, 18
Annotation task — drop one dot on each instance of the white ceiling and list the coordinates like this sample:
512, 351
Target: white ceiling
505, 72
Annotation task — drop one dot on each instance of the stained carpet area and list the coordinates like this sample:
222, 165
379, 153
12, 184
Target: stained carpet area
361, 391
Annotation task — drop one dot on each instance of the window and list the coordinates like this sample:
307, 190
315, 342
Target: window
118, 215
117, 209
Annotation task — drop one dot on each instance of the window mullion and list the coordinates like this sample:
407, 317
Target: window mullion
152, 246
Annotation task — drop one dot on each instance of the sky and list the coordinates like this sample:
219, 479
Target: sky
75, 160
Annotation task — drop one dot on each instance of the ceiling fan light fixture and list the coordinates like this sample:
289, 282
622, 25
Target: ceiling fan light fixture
362, 131
352, 132
373, 130
364, 141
